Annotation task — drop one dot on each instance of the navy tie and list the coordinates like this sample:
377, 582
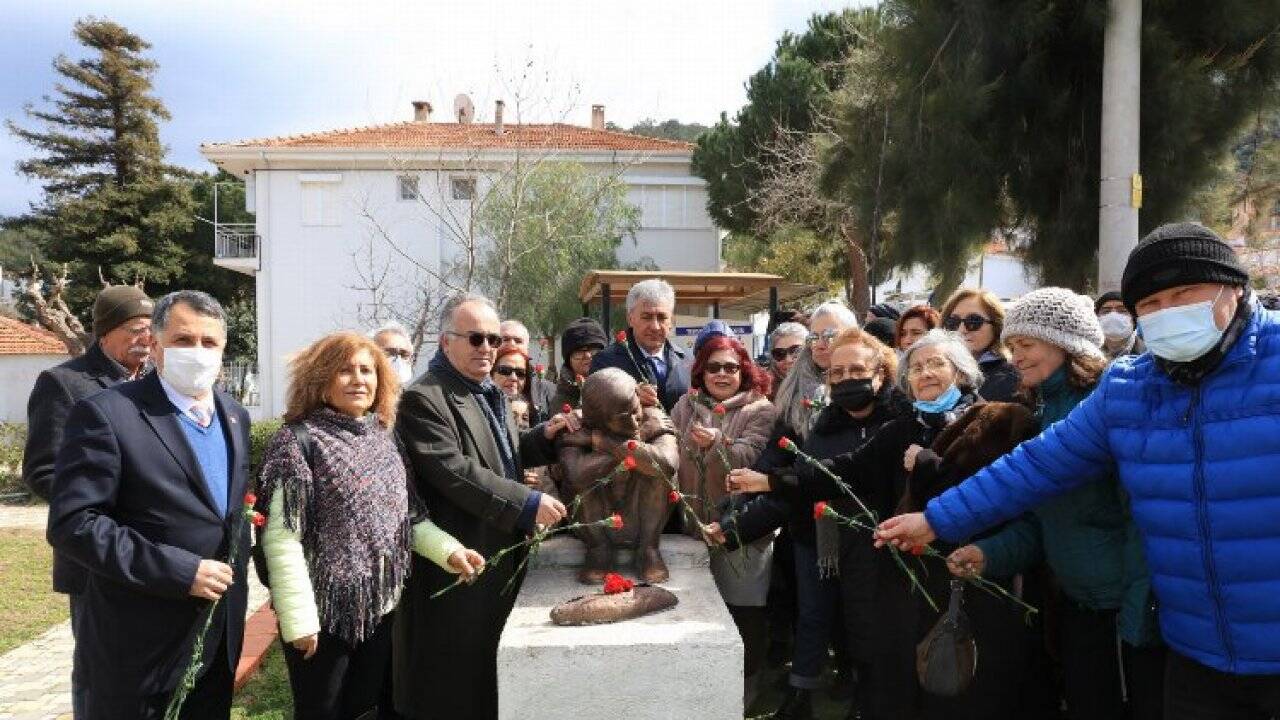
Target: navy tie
659, 372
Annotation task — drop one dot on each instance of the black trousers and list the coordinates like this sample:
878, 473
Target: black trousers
341, 681
1092, 659
210, 697
753, 626
1196, 692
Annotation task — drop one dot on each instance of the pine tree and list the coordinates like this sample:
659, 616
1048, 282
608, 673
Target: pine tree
110, 203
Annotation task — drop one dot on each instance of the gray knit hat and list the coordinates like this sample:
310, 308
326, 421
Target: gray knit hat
1058, 317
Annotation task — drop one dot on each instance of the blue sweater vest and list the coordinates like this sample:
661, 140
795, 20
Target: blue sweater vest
211, 451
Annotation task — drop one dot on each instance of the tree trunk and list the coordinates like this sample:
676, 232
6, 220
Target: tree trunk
53, 314
859, 290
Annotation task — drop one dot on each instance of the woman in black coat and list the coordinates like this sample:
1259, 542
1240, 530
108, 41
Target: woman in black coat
979, 318
893, 470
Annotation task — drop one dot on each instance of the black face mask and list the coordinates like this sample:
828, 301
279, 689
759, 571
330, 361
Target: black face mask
853, 395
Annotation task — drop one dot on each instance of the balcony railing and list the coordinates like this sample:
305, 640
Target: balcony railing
235, 241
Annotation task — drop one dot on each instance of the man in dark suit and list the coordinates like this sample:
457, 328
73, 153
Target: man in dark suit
653, 361
145, 494
122, 326
467, 458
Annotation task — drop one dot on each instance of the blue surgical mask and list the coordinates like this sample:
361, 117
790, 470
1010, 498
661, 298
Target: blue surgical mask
1183, 333
942, 403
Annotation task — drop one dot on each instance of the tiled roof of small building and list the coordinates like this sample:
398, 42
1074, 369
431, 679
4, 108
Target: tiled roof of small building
19, 338
469, 136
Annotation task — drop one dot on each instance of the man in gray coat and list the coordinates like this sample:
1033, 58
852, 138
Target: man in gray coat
467, 458
122, 326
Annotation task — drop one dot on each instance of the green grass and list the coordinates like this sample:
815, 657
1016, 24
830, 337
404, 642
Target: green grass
266, 696
28, 604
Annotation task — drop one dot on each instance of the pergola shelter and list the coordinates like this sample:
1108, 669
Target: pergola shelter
728, 294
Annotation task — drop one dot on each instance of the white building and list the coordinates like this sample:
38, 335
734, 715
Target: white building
997, 269
335, 209
25, 352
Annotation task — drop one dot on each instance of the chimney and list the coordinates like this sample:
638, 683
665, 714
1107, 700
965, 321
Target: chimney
421, 111
497, 116
597, 117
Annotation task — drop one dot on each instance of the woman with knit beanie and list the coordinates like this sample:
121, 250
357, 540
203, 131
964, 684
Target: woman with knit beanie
341, 525
1087, 536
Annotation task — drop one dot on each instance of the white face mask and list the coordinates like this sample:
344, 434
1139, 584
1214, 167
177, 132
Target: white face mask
1182, 333
403, 368
191, 371
1116, 325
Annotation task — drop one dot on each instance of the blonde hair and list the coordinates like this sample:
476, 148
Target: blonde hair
312, 370
886, 358
990, 303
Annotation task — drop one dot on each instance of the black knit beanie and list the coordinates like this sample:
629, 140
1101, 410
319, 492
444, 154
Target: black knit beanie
581, 333
1105, 298
1179, 254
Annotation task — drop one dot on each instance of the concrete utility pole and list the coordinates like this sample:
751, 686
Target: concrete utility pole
1120, 193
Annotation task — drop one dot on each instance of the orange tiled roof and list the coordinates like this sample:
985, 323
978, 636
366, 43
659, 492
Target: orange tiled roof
19, 338
471, 136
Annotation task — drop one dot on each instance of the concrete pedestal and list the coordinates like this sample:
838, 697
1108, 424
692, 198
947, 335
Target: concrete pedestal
681, 663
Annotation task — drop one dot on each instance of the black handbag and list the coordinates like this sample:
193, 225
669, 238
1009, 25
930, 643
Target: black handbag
947, 658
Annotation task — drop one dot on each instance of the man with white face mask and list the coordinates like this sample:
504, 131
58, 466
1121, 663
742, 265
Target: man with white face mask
1193, 430
1120, 334
146, 492
394, 341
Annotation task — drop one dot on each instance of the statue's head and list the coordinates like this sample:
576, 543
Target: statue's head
609, 402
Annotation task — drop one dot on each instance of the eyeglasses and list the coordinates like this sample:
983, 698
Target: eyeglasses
478, 338
781, 354
508, 371
933, 364
971, 322
728, 368
825, 336
397, 353
836, 373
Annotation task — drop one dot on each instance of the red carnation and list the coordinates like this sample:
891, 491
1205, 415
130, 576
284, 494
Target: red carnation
250, 499
694, 392
820, 509
917, 550
566, 408
579, 379
615, 583
539, 368
786, 444
259, 519
674, 496
629, 462
807, 402
616, 521
632, 445
719, 410
621, 336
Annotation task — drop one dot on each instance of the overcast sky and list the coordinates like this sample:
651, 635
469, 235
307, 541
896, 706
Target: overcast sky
237, 69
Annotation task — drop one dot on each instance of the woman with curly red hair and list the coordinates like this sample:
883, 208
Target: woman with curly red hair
724, 423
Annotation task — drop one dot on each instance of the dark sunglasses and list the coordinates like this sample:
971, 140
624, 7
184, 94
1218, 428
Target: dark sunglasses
478, 338
971, 322
508, 371
781, 354
728, 368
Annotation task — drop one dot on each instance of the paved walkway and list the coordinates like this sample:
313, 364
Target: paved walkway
35, 678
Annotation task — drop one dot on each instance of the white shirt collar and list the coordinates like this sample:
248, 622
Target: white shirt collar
184, 403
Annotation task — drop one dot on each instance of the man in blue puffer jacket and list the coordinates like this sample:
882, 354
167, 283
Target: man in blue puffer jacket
1192, 428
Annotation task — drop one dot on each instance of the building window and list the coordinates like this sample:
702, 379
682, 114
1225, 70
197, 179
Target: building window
463, 188
320, 202
409, 188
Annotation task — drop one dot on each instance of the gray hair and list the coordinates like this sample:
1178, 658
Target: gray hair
968, 374
804, 381
201, 302
838, 310
653, 290
456, 301
788, 329
515, 323
390, 326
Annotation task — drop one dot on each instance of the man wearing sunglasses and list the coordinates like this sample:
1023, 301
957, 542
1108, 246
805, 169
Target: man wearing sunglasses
1191, 427
542, 391
467, 459
648, 356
